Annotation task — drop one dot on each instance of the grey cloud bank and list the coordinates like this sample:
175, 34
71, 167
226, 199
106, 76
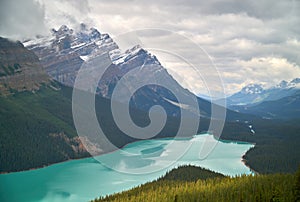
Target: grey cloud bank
21, 19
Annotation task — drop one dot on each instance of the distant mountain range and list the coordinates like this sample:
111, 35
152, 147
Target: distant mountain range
278, 102
256, 93
284, 108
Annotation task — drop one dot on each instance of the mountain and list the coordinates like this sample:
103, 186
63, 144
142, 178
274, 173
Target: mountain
65, 50
284, 108
63, 53
256, 93
36, 127
20, 69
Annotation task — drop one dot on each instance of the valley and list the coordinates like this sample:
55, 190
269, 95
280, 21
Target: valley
53, 124
41, 145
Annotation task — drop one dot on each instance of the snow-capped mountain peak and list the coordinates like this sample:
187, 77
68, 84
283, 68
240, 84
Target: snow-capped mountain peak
252, 89
71, 48
136, 53
282, 84
296, 80
63, 30
255, 93
87, 34
295, 83
63, 53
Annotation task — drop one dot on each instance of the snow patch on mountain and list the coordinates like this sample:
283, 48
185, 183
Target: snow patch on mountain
295, 83
252, 89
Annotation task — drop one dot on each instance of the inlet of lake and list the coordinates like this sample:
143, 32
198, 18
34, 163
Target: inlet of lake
86, 179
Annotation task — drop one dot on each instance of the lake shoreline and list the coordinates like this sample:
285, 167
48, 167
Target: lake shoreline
50, 164
243, 156
164, 138
138, 163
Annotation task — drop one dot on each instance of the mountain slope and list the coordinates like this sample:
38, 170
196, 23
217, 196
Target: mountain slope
36, 130
285, 108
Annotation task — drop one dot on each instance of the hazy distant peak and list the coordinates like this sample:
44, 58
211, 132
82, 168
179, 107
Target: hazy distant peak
283, 84
252, 89
296, 80
292, 84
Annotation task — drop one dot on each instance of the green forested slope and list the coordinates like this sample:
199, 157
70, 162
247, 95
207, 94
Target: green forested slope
27, 120
36, 129
276, 144
272, 187
190, 173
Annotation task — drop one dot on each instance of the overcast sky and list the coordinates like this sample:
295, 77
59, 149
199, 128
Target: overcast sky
248, 41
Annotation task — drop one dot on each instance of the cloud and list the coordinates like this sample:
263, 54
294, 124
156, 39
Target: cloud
21, 19
265, 70
235, 34
67, 12
229, 31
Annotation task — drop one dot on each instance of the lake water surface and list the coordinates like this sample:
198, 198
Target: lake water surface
86, 179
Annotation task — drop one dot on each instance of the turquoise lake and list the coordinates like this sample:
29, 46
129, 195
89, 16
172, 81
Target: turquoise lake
86, 179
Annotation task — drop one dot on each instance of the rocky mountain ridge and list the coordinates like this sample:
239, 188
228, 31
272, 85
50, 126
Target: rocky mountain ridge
63, 53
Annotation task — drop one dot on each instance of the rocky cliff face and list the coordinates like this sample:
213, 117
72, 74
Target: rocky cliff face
63, 53
20, 68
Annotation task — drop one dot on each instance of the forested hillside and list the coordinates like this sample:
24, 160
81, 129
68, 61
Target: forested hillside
272, 187
36, 129
33, 122
276, 144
